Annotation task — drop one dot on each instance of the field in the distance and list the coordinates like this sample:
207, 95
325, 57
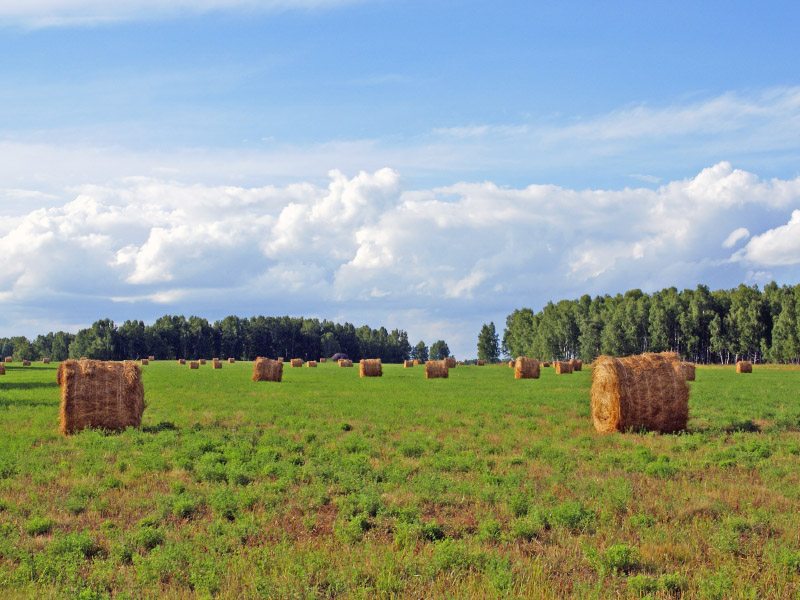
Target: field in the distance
332, 486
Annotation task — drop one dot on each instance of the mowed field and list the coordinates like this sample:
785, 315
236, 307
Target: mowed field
331, 486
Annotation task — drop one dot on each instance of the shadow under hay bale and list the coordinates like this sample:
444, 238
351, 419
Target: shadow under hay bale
345, 362
296, 362
312, 364
194, 364
436, 369
407, 364
639, 392
744, 366
370, 367
451, 362
100, 394
562, 367
526, 368
576, 364
266, 369
687, 371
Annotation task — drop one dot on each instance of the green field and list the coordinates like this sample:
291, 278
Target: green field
331, 486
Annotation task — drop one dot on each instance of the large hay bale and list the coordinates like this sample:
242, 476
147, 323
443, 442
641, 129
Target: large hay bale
45, 361
296, 362
370, 367
266, 369
2, 369
151, 358
280, 359
480, 363
562, 367
451, 362
26, 363
687, 371
512, 363
644, 391
345, 362
545, 363
202, 361
144, 361
181, 361
312, 364
576, 364
407, 364
526, 368
231, 360
744, 366
103, 394
9, 359
216, 364
436, 369
194, 364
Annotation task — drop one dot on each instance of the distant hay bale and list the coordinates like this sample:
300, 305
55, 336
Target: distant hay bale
645, 391
370, 367
151, 358
202, 361
545, 364
526, 368
687, 371
417, 362
45, 361
2, 369
312, 364
436, 369
9, 359
296, 362
26, 363
181, 361
480, 363
744, 366
345, 362
144, 361
216, 364
266, 369
576, 363
451, 362
194, 364
460, 363
323, 360
231, 360
562, 367
407, 364
100, 394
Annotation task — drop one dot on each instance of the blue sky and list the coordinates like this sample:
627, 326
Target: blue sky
425, 165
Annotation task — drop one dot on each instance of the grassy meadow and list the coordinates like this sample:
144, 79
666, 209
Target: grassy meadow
331, 486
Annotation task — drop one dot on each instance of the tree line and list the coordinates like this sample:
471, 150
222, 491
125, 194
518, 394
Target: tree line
171, 337
702, 326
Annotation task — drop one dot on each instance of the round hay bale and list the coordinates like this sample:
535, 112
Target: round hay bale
526, 368
151, 358
296, 362
370, 367
451, 362
639, 392
436, 369
280, 359
312, 364
202, 361
144, 361
45, 361
216, 364
345, 362
576, 364
26, 363
562, 367
744, 366
323, 360
417, 362
480, 363
545, 364
407, 364
266, 369
9, 359
194, 364
100, 394
231, 360
181, 361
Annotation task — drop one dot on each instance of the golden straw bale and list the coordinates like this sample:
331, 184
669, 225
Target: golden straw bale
562, 367
280, 359
266, 369
231, 360
2, 369
436, 369
323, 360
45, 361
26, 363
151, 358
417, 362
451, 362
216, 364
407, 364
687, 371
511, 363
639, 392
576, 363
370, 367
202, 361
144, 361
181, 361
312, 364
194, 364
9, 359
103, 394
744, 366
345, 362
526, 368
545, 364
296, 362
481, 363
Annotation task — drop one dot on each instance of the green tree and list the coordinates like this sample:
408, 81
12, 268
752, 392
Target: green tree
439, 350
420, 351
488, 343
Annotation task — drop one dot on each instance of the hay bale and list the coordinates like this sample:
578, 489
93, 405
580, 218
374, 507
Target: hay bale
266, 369
312, 364
345, 362
451, 362
576, 364
645, 391
480, 363
687, 371
9, 359
26, 363
407, 364
545, 364
511, 364
280, 359
151, 358
181, 361
194, 364
322, 360
370, 367
744, 366
102, 394
436, 369
526, 368
296, 362
202, 361
231, 360
562, 367
45, 361
216, 364
2, 369
417, 362
144, 361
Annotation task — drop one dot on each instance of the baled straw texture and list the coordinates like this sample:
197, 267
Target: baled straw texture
345, 362
545, 364
151, 358
181, 361
562, 367
144, 361
644, 391
451, 362
744, 366
266, 369
45, 361
312, 364
576, 364
481, 363
417, 362
216, 364
194, 364
231, 361
370, 367
9, 359
512, 363
26, 363
202, 361
102, 394
296, 362
526, 368
687, 371
436, 369
323, 360
280, 359
407, 364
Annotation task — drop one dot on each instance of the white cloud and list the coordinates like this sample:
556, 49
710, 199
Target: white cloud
736, 236
776, 247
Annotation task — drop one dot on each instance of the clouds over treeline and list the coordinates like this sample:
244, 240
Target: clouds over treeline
368, 245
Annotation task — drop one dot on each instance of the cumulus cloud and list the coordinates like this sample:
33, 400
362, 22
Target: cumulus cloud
366, 245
